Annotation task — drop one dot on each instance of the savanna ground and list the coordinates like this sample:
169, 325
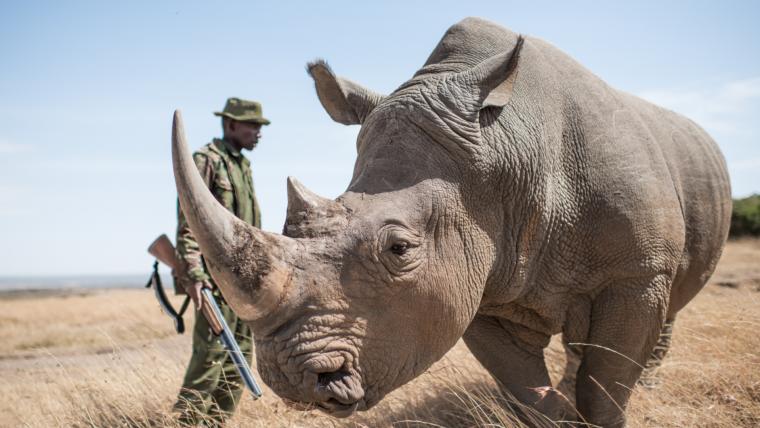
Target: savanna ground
110, 358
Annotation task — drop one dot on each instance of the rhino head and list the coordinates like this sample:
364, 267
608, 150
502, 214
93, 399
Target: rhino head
362, 293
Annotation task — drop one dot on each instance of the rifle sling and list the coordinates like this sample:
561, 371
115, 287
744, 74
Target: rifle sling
164, 302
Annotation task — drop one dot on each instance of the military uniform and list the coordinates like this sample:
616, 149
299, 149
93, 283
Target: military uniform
212, 386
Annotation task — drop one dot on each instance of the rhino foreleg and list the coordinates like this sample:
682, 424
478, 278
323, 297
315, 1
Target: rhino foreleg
518, 365
573, 356
626, 320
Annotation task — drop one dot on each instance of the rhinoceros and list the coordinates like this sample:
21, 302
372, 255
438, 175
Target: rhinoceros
502, 195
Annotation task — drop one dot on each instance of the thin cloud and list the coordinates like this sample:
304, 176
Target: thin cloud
729, 112
102, 166
753, 163
744, 89
7, 147
13, 198
723, 108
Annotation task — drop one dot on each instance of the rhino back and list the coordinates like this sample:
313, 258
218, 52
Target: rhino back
646, 186
617, 185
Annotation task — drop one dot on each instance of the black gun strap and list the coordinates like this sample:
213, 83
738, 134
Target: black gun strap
163, 300
184, 306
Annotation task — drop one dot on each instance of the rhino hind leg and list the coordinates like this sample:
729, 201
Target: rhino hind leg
649, 378
663, 345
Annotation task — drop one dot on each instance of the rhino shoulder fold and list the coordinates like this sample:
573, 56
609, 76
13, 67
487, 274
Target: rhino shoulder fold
466, 44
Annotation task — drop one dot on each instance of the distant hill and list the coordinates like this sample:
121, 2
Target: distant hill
77, 282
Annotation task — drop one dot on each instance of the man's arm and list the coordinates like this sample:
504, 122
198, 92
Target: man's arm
188, 251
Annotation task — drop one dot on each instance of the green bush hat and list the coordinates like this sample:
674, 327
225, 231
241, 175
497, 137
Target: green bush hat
243, 111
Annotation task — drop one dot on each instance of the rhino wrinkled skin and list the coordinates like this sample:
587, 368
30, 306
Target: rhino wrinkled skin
502, 195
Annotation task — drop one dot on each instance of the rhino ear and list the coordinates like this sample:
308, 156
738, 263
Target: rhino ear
345, 101
492, 81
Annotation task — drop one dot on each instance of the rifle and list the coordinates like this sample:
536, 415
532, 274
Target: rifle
163, 250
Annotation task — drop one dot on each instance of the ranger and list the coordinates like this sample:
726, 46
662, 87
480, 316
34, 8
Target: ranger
212, 386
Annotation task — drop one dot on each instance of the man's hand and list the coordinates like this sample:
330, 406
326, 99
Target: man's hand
194, 291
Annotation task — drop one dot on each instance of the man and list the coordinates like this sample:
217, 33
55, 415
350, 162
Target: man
212, 386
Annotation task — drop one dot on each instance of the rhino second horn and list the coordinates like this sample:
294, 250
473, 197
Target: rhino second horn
310, 215
227, 242
302, 200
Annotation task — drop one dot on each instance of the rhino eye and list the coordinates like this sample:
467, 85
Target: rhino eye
399, 248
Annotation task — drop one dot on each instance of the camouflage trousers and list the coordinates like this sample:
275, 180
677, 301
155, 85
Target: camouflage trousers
212, 387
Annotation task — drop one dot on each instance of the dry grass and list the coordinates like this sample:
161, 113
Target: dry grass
111, 359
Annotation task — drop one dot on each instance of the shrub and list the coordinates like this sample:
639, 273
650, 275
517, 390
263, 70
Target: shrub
745, 218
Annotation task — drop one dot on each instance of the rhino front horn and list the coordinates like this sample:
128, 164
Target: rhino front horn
250, 266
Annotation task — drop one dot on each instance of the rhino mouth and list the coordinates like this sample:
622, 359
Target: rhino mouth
337, 409
332, 385
331, 407
341, 391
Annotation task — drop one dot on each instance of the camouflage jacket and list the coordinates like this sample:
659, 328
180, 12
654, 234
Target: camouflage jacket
228, 174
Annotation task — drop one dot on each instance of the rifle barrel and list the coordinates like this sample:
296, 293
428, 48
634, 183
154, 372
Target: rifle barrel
232, 347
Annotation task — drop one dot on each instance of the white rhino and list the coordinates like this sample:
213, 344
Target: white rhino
503, 194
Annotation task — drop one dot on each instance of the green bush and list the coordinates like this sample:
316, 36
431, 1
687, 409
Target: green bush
745, 218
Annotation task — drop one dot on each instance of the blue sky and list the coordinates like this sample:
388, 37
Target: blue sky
87, 90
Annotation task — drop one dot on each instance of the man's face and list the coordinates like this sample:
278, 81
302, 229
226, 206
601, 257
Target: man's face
245, 134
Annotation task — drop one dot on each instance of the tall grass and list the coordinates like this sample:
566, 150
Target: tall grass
127, 373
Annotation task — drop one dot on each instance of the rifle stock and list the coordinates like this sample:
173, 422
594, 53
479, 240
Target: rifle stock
163, 250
